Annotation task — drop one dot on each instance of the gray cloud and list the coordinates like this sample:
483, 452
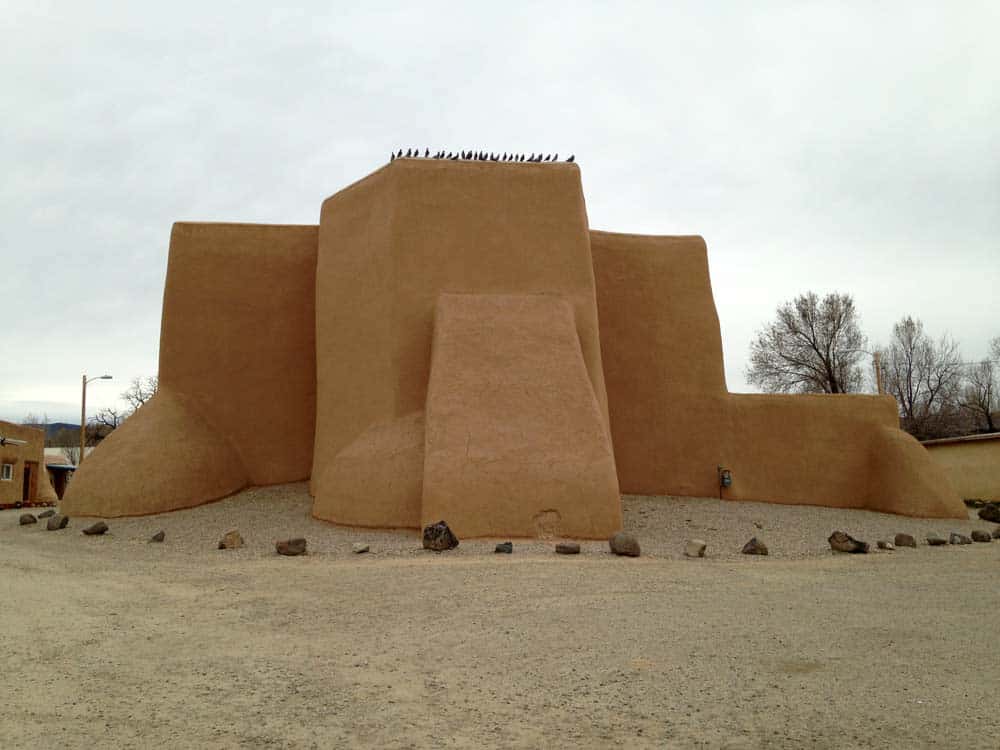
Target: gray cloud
815, 146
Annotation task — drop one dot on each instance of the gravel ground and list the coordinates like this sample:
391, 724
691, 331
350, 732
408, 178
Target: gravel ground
264, 515
115, 642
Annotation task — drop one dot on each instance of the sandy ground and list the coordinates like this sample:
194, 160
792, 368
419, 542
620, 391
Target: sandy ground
114, 642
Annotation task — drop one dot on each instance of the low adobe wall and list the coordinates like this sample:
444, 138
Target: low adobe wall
972, 464
673, 422
237, 393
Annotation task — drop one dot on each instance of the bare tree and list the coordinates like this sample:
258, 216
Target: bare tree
109, 418
141, 390
981, 393
812, 346
925, 377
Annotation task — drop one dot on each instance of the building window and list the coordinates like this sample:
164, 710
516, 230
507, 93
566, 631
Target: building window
7, 472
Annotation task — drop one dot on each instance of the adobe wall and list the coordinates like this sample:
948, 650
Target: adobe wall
11, 491
516, 441
673, 422
972, 465
388, 246
236, 401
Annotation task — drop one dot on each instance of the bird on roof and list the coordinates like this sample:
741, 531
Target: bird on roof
572, 157
427, 152
392, 156
455, 157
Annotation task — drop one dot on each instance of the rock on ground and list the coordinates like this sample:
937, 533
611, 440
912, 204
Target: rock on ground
624, 544
504, 548
904, 540
359, 548
956, 538
935, 541
159, 536
886, 545
978, 535
57, 522
47, 513
27, 518
568, 548
291, 547
96, 529
990, 512
754, 547
842, 542
232, 540
694, 548
438, 537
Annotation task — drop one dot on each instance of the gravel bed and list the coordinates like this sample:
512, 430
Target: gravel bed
264, 515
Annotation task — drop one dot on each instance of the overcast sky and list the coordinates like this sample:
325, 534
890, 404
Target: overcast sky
823, 146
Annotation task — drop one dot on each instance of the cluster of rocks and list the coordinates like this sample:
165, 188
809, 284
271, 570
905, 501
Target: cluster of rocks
841, 541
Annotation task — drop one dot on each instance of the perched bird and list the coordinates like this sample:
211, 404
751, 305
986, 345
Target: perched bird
504, 156
455, 157
392, 156
427, 152
572, 157
547, 157
407, 152
522, 157
555, 158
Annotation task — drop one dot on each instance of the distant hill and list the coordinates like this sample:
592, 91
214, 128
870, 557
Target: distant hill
53, 428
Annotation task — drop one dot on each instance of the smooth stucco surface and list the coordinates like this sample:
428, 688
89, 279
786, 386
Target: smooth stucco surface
12, 490
516, 439
452, 341
389, 245
236, 403
674, 423
972, 464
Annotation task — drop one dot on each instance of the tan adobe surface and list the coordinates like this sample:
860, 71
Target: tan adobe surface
972, 464
290, 352
26, 462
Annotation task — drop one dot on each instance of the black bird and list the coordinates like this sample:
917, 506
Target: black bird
572, 157
504, 156
407, 152
547, 157
427, 152
522, 157
455, 157
555, 158
392, 156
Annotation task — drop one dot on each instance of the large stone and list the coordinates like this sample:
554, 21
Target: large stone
990, 512
438, 537
57, 522
504, 548
935, 541
46, 513
754, 547
886, 545
694, 548
904, 540
624, 544
981, 536
359, 548
842, 542
96, 529
232, 540
956, 538
291, 547
568, 548
159, 536
27, 518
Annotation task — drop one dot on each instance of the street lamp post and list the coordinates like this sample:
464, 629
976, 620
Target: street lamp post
83, 414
